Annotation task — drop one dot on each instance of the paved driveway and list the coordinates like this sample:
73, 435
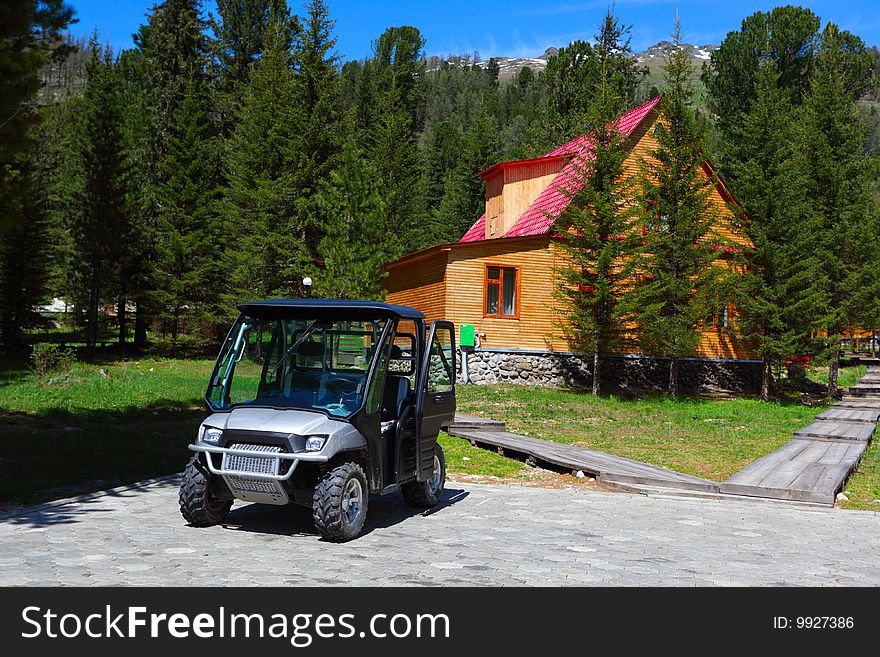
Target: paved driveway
482, 535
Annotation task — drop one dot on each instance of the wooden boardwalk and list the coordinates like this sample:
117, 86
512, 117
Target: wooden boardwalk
803, 469
606, 468
815, 464
858, 402
812, 467
850, 414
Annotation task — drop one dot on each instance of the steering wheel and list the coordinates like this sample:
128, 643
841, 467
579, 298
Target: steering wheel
341, 387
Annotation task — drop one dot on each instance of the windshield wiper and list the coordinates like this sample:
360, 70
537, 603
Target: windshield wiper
309, 330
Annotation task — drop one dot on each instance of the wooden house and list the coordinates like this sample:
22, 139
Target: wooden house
499, 277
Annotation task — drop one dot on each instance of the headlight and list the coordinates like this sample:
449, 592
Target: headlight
315, 443
211, 436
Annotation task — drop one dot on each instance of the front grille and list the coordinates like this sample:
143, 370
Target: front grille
265, 491
253, 464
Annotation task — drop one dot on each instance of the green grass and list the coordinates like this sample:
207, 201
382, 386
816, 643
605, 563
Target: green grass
464, 458
846, 377
711, 438
863, 488
90, 431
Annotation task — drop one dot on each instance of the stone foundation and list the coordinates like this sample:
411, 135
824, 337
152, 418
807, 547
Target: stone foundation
622, 373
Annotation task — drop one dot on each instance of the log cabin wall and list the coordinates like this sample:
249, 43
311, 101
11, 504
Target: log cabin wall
536, 325
420, 283
512, 188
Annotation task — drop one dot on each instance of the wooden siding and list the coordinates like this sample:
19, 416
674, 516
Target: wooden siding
643, 143
522, 185
495, 205
420, 284
538, 324
512, 188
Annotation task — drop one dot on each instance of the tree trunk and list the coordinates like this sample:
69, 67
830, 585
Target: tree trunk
673, 377
832, 373
874, 344
596, 373
92, 312
766, 378
140, 324
121, 321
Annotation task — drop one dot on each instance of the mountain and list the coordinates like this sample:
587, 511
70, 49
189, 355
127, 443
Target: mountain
653, 57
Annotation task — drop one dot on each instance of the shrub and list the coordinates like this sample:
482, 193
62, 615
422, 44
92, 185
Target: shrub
47, 357
186, 346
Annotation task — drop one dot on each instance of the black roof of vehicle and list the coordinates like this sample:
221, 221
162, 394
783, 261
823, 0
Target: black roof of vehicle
329, 308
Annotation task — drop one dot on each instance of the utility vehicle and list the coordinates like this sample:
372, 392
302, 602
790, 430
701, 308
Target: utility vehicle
319, 403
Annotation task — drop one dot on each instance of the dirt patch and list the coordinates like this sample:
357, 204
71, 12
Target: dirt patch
534, 477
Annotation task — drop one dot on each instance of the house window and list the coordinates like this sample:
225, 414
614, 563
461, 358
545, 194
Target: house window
719, 316
502, 295
658, 223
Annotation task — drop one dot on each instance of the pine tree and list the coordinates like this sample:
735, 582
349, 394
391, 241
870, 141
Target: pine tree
240, 34
464, 193
396, 158
30, 36
27, 249
99, 219
831, 144
680, 281
399, 61
356, 246
788, 36
599, 225
171, 48
785, 283
316, 93
188, 234
571, 78
265, 255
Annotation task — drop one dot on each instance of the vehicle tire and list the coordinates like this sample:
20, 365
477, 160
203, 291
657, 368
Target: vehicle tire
197, 503
425, 494
339, 505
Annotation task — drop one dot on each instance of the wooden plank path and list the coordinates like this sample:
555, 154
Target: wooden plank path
810, 468
803, 469
849, 414
606, 468
463, 421
815, 464
865, 389
858, 402
837, 430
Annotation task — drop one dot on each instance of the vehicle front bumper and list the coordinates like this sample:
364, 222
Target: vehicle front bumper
295, 457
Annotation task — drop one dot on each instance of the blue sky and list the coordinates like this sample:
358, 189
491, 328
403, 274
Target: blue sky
519, 28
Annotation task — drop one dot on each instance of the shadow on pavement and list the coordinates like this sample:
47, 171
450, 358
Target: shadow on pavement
76, 511
294, 520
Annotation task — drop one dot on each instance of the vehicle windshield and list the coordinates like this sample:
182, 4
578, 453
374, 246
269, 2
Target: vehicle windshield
310, 364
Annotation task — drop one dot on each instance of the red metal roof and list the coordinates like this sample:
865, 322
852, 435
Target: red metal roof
539, 216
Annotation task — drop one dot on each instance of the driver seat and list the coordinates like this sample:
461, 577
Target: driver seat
394, 397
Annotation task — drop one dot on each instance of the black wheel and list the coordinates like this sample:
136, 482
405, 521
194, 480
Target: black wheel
339, 506
425, 494
197, 504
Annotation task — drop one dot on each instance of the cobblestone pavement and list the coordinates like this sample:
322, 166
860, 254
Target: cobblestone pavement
480, 535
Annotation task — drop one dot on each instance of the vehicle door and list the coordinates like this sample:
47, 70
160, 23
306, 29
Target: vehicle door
435, 405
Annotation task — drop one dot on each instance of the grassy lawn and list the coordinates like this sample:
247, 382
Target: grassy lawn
94, 431
846, 376
711, 438
863, 487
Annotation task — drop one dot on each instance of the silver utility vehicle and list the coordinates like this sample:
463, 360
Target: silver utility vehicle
320, 403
